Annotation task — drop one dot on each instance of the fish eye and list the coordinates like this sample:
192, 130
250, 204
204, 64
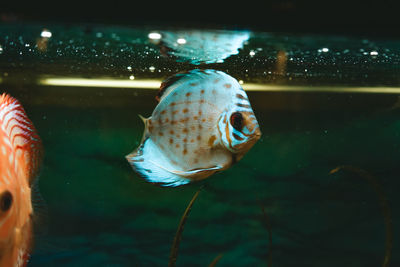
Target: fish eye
237, 121
6, 200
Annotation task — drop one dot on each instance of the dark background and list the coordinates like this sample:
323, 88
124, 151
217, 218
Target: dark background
370, 18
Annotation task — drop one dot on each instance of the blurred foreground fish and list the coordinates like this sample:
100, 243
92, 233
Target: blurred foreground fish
20, 154
203, 124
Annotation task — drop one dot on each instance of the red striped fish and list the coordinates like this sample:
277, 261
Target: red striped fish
203, 124
20, 155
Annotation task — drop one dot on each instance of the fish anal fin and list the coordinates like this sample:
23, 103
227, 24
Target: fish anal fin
147, 161
198, 173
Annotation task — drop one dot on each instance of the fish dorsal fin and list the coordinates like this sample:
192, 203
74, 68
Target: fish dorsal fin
166, 84
24, 140
174, 81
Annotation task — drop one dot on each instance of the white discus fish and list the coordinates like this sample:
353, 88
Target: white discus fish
203, 124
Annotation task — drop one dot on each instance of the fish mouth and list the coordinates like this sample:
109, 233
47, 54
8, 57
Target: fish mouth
254, 137
257, 134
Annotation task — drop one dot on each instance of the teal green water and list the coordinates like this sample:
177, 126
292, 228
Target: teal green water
100, 213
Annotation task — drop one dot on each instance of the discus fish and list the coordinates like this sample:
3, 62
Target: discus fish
203, 124
20, 154
201, 46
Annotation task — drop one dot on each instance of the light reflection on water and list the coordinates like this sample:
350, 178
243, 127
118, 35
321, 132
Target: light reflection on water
199, 47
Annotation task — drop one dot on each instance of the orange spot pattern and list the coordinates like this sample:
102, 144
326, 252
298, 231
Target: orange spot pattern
211, 140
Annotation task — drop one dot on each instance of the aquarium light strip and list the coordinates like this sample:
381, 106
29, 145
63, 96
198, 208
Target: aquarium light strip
155, 84
81, 82
320, 89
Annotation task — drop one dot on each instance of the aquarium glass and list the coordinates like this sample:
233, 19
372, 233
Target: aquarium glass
318, 188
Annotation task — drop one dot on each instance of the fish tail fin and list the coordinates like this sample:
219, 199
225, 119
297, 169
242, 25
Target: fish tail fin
143, 160
22, 136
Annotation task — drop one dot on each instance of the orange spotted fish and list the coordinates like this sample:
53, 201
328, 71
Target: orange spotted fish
203, 124
20, 150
